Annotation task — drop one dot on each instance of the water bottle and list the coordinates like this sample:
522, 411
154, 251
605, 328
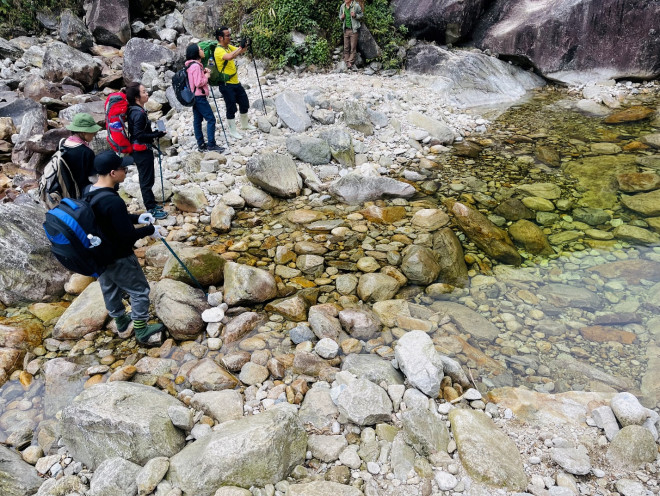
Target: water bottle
93, 240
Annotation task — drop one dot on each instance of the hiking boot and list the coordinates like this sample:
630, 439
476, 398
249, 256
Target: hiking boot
158, 213
158, 207
202, 147
245, 123
216, 148
148, 334
122, 322
231, 124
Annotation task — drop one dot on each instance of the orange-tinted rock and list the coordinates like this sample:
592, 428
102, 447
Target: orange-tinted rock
93, 381
383, 215
630, 270
601, 334
632, 114
20, 332
638, 181
634, 146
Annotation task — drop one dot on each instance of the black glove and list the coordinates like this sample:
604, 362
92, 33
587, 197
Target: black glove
244, 42
160, 134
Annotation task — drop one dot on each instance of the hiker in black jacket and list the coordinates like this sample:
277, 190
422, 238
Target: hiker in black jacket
142, 138
123, 273
76, 152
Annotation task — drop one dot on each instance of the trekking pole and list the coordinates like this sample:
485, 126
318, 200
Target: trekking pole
160, 164
254, 61
219, 118
184, 266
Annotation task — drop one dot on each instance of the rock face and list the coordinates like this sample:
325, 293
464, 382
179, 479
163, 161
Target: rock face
120, 419
444, 21
275, 173
488, 454
259, 450
17, 478
109, 22
245, 284
179, 307
469, 79
139, 50
201, 19
490, 238
355, 188
86, 314
74, 33
574, 41
61, 60
28, 271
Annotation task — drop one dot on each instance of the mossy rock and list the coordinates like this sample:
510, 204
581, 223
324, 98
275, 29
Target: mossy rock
206, 265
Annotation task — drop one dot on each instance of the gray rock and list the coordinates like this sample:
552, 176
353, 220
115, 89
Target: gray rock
628, 410
372, 368
426, 432
86, 314
274, 173
221, 217
487, 454
28, 271
69, 484
445, 481
138, 51
109, 22
631, 447
419, 265
402, 457
17, 478
439, 130
245, 284
292, 110
326, 348
253, 373
467, 320
151, 474
326, 448
201, 19
254, 197
311, 150
220, 405
563, 295
10, 51
179, 307
324, 322
181, 417
359, 323
256, 451
591, 216
376, 286
74, 32
573, 460
301, 333
120, 419
64, 379
355, 188
605, 419
341, 145
364, 403
318, 409
322, 488
629, 487
356, 117
207, 375
115, 476
420, 362
62, 61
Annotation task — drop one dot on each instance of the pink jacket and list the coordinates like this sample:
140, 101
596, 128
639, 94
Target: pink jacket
198, 80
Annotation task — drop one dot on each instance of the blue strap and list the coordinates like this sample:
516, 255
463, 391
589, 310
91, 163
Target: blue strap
70, 203
72, 224
59, 239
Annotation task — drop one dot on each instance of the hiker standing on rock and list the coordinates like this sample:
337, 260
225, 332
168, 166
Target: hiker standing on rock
76, 151
350, 14
198, 78
142, 137
123, 273
232, 91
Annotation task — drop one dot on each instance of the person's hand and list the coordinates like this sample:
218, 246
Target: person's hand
207, 70
146, 218
343, 16
159, 232
160, 134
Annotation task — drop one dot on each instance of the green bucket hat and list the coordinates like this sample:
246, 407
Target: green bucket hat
83, 123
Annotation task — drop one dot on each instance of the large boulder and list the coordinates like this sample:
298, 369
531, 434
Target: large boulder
437, 129
137, 51
18, 108
419, 265
254, 451
245, 284
443, 21
109, 21
36, 87
8, 50
341, 145
364, 403
28, 271
275, 173
292, 110
311, 150
64, 379
470, 79
61, 60
576, 41
86, 314
203, 263
120, 419
355, 188
179, 307
451, 259
201, 19
17, 478
367, 45
74, 33
33, 123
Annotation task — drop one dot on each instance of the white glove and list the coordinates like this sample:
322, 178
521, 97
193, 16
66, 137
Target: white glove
159, 232
146, 218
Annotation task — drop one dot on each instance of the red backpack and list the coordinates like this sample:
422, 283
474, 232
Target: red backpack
116, 107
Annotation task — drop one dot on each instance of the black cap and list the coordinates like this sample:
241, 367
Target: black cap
107, 161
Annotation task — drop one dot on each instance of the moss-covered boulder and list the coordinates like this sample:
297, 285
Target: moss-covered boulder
206, 265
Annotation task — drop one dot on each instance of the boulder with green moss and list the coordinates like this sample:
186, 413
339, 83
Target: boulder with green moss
206, 265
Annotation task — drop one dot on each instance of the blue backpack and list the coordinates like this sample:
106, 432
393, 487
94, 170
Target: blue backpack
76, 240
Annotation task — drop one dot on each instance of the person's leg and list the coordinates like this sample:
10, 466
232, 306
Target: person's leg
144, 160
244, 106
229, 94
347, 45
197, 123
112, 294
353, 43
207, 113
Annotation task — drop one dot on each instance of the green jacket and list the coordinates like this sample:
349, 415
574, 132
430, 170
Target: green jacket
355, 21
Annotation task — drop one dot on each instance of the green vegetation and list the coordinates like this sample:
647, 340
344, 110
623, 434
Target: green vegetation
21, 15
269, 23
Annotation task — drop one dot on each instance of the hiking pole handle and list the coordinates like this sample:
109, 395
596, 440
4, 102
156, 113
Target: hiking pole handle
184, 266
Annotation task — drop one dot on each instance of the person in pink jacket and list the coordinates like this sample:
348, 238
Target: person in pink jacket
198, 78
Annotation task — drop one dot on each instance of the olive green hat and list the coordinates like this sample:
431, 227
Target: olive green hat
83, 123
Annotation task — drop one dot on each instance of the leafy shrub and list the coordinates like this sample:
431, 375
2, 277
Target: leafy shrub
22, 14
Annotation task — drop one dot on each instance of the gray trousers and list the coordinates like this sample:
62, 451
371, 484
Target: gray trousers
125, 276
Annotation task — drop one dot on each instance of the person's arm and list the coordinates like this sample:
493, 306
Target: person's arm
139, 127
233, 54
358, 11
123, 222
342, 16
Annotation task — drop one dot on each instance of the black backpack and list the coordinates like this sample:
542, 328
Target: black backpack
76, 240
182, 89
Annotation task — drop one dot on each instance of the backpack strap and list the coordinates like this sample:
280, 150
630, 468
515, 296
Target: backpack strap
65, 190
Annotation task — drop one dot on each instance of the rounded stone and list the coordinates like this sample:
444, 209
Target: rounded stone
628, 410
327, 348
368, 264
252, 373
445, 481
631, 447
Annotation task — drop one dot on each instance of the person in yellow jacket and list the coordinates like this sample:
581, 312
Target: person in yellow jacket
232, 91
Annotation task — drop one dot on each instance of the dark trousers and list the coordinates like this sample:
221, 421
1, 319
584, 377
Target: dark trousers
233, 94
350, 46
145, 166
202, 111
125, 276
